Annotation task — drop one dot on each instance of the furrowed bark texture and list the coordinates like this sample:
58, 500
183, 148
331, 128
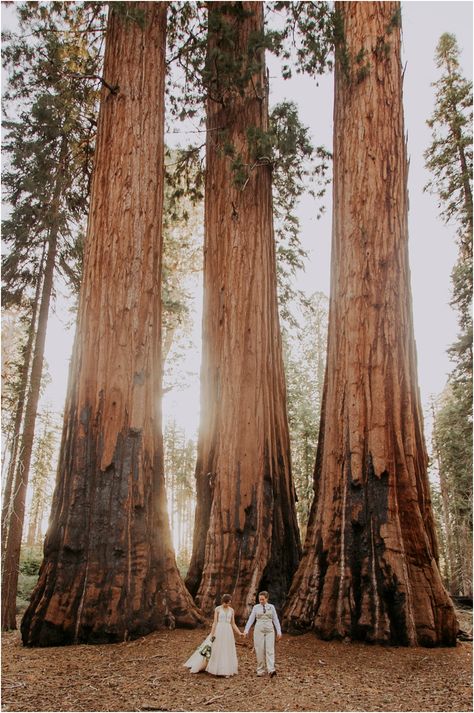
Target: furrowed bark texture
246, 534
109, 571
369, 568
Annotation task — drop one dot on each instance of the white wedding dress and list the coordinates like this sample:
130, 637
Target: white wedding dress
223, 660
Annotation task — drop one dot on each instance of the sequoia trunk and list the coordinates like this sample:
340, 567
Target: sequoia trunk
369, 569
246, 534
109, 571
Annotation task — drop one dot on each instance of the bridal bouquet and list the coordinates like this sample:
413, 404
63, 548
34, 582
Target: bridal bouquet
205, 650
200, 658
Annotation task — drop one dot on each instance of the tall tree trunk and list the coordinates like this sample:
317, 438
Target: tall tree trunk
246, 533
369, 569
109, 571
22, 391
17, 515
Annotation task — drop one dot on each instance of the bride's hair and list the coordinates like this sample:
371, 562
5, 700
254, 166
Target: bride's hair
226, 598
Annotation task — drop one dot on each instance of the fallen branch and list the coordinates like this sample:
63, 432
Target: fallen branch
211, 700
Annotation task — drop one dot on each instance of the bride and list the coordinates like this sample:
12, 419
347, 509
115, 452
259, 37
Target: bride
223, 658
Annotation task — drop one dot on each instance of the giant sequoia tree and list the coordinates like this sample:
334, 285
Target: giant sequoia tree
109, 571
246, 534
369, 569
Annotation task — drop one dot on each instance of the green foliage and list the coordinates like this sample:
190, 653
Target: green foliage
186, 58
305, 361
305, 30
14, 335
180, 460
184, 181
298, 168
449, 159
30, 563
43, 474
26, 584
182, 252
340, 45
356, 67
452, 433
230, 66
302, 32
16, 323
183, 558
240, 171
129, 12
449, 156
362, 73
48, 142
307, 37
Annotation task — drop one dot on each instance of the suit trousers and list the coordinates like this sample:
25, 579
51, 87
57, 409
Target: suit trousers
264, 642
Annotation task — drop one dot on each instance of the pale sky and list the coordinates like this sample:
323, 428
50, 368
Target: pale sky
432, 247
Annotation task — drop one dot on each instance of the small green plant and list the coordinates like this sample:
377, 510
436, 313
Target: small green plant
26, 584
30, 562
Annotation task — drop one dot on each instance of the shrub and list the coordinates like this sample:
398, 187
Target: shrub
30, 563
26, 584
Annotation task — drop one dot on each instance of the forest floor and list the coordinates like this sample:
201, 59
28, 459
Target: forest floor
313, 675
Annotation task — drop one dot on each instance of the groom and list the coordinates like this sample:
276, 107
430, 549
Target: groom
264, 634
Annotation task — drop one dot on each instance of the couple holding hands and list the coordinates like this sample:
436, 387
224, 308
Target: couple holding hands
217, 654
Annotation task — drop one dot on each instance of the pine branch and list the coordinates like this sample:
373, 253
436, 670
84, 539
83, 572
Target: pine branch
113, 89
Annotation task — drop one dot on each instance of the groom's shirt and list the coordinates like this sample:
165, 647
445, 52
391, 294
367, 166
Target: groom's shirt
265, 612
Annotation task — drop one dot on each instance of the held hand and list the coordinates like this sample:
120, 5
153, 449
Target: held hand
278, 637
245, 634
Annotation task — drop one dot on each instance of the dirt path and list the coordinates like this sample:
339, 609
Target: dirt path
313, 675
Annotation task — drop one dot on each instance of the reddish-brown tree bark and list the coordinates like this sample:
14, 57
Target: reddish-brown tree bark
109, 571
369, 569
246, 534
